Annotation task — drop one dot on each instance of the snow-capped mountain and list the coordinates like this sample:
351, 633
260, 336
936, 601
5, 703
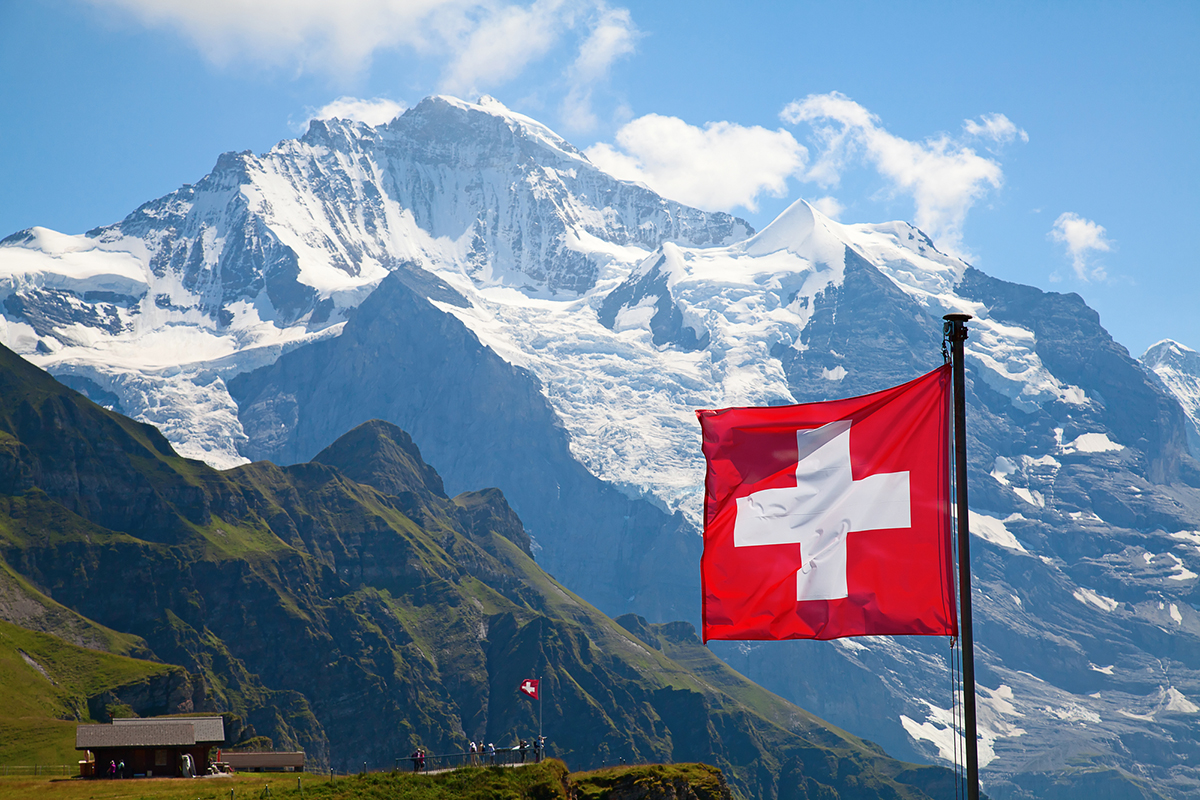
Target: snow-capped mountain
1179, 369
541, 326
268, 252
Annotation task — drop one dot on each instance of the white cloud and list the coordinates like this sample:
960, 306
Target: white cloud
1082, 237
502, 44
308, 35
829, 206
613, 35
996, 127
376, 111
719, 166
944, 177
479, 44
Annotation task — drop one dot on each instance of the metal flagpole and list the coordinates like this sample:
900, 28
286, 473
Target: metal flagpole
956, 325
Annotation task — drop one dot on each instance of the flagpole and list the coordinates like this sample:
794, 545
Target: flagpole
956, 329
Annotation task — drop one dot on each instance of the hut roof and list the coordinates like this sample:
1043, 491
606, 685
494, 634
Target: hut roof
160, 734
208, 729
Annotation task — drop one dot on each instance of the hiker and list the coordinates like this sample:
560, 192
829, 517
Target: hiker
537, 749
474, 749
112, 770
522, 746
416, 758
121, 770
492, 753
421, 759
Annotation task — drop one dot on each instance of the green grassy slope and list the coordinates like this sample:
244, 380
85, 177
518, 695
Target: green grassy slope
46, 684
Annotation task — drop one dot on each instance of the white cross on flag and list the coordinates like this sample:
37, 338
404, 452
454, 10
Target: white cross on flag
830, 519
529, 686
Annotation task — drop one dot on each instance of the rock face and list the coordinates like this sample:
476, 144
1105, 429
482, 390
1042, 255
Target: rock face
543, 328
399, 358
359, 620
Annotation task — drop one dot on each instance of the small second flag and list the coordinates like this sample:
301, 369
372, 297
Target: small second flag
529, 687
825, 520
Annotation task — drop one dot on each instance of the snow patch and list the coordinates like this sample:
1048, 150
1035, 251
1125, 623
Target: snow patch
1182, 573
1187, 536
1177, 702
1089, 597
1002, 468
994, 710
836, 374
1092, 443
1072, 712
993, 530
1034, 498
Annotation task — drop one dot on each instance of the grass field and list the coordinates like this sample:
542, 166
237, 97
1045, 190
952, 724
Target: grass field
537, 782
546, 781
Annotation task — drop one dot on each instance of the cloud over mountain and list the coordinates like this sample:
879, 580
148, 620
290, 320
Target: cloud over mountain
719, 166
1081, 237
480, 44
943, 176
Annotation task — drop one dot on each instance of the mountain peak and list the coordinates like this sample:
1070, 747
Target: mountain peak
384, 456
802, 230
1169, 351
453, 119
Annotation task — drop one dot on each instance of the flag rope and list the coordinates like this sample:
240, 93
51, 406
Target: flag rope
956, 721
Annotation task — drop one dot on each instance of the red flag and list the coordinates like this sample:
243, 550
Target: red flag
530, 687
831, 519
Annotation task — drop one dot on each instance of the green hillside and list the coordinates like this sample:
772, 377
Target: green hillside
350, 608
47, 684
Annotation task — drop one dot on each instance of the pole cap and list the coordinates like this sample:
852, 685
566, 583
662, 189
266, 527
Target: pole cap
957, 317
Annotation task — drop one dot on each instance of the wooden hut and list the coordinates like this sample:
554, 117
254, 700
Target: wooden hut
153, 747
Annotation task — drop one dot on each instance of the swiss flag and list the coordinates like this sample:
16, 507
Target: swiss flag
831, 519
530, 687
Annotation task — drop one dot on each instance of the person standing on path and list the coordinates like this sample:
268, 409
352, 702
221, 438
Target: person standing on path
492, 753
474, 750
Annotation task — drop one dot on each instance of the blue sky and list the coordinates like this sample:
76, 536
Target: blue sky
1053, 144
